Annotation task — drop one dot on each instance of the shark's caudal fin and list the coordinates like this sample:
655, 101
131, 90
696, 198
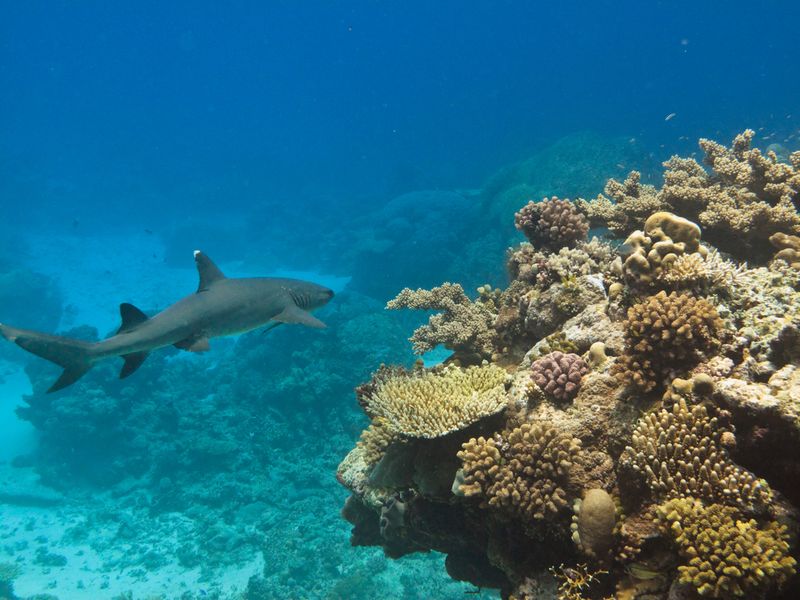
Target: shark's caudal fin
72, 355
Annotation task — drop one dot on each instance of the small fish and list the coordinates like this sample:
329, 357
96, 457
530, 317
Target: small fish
625, 250
670, 116
148, 231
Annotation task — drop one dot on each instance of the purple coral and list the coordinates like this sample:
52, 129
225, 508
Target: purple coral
559, 374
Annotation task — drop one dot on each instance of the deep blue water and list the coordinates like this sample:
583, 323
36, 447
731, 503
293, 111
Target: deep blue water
324, 137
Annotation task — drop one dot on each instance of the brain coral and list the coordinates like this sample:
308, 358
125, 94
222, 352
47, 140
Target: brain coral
430, 404
726, 554
559, 375
680, 453
665, 333
552, 224
521, 472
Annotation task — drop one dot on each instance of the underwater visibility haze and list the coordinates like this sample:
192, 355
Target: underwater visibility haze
552, 252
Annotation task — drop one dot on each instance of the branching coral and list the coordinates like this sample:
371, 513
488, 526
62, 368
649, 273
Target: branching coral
625, 205
559, 375
666, 333
375, 439
521, 472
680, 453
552, 224
726, 554
434, 403
463, 326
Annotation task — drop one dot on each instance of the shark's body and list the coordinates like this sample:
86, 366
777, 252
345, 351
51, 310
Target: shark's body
221, 306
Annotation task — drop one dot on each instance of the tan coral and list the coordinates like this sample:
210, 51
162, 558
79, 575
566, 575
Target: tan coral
625, 205
433, 404
552, 223
594, 522
463, 326
725, 554
680, 452
664, 334
521, 472
375, 439
788, 248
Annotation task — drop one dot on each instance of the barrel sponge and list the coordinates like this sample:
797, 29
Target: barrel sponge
726, 555
521, 472
552, 224
593, 523
559, 374
430, 404
680, 452
665, 333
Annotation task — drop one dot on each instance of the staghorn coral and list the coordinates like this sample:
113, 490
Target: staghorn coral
521, 472
666, 333
680, 452
434, 403
559, 375
552, 224
463, 326
726, 555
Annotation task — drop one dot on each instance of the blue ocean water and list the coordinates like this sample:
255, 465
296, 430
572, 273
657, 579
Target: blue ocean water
349, 143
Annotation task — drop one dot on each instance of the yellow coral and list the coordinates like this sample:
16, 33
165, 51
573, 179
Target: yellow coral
432, 404
680, 452
726, 554
375, 439
521, 471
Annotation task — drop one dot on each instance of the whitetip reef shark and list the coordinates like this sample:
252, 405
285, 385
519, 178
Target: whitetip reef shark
221, 306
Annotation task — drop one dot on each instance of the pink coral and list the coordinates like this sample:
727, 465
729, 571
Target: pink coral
559, 374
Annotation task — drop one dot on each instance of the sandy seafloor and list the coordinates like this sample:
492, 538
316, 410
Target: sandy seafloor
95, 275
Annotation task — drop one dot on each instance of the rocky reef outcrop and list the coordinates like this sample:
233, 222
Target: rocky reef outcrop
644, 437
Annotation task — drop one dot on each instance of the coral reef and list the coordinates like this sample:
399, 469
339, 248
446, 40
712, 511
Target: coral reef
433, 404
672, 366
463, 325
726, 555
681, 453
788, 248
667, 334
522, 471
559, 375
552, 224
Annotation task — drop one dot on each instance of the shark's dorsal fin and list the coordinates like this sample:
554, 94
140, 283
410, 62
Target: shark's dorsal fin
208, 271
295, 314
131, 317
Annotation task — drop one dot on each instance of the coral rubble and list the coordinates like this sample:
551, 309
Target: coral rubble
651, 380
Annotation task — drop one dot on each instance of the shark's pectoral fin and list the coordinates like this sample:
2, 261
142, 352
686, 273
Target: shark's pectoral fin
294, 314
132, 362
194, 344
131, 317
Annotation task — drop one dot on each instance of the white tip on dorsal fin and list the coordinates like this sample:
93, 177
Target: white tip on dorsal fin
208, 271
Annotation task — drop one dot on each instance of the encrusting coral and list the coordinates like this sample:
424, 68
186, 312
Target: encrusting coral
432, 404
665, 334
559, 375
672, 370
680, 453
552, 223
726, 555
522, 471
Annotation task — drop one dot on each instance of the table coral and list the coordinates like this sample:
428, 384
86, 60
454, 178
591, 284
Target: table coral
552, 223
521, 472
726, 555
431, 404
664, 334
680, 453
463, 326
559, 375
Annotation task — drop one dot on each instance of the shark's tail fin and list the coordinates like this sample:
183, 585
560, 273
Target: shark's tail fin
72, 355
